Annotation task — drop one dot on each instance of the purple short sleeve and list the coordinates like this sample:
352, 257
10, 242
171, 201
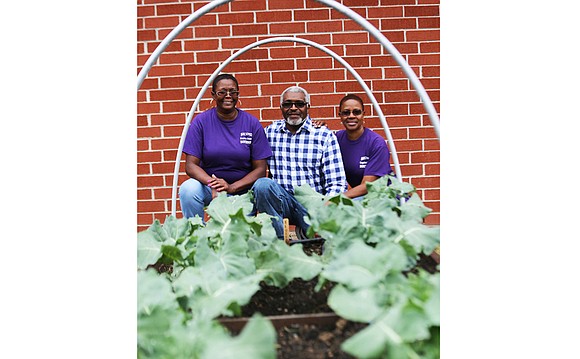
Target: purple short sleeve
226, 148
366, 156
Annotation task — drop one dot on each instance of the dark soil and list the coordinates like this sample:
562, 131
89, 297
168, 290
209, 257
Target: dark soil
298, 297
313, 340
304, 341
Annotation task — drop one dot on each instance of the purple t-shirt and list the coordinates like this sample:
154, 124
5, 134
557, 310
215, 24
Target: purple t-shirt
366, 156
226, 148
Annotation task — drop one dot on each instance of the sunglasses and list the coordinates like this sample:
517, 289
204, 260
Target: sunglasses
356, 112
232, 93
298, 104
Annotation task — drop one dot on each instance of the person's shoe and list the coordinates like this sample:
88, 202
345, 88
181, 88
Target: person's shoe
300, 233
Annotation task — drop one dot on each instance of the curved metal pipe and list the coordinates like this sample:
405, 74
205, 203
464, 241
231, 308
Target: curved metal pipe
395, 54
172, 35
249, 47
337, 6
425, 99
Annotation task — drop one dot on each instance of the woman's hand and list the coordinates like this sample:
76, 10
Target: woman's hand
218, 185
318, 123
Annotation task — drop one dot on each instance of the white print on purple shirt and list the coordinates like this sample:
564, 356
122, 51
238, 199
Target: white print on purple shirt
246, 138
363, 161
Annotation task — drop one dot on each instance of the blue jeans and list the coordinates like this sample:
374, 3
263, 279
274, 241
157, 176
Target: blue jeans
194, 196
271, 198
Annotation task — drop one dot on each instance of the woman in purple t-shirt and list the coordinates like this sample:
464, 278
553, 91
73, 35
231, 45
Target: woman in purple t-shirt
365, 154
226, 150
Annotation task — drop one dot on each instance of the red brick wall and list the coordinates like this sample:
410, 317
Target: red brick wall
173, 83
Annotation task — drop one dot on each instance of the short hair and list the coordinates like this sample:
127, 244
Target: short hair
223, 77
351, 97
295, 89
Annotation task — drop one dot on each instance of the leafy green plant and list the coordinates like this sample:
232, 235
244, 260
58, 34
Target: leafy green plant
216, 269
370, 248
164, 332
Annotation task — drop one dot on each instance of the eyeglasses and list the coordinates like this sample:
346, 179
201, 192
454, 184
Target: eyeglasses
298, 104
232, 93
356, 112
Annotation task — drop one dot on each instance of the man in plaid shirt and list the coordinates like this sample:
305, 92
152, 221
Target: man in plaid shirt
301, 154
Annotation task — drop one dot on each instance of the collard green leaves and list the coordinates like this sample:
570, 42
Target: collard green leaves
370, 243
257, 340
148, 250
208, 296
397, 326
359, 305
229, 260
217, 267
359, 266
166, 243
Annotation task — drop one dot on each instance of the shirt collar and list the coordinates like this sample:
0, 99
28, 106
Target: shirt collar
306, 126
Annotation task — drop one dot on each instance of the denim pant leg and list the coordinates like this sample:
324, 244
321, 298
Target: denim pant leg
193, 197
297, 213
274, 200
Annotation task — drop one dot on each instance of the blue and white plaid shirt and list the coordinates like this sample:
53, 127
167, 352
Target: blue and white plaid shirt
311, 155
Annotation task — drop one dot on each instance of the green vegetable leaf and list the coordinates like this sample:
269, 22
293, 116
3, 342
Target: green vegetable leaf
230, 260
262, 227
370, 246
394, 189
156, 332
172, 252
413, 209
153, 291
419, 236
271, 266
357, 267
432, 306
223, 206
174, 339
372, 341
176, 229
411, 322
148, 249
309, 198
188, 281
381, 189
393, 256
237, 226
297, 264
425, 294
256, 341
173, 230
399, 325
280, 263
210, 294
231, 220
430, 348
358, 306
342, 224
156, 230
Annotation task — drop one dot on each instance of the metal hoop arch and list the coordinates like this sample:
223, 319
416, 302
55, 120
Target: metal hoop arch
172, 35
419, 89
425, 100
256, 44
